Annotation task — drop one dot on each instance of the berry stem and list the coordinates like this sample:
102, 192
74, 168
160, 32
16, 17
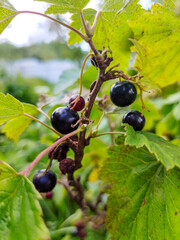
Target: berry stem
44, 152
84, 37
81, 76
44, 124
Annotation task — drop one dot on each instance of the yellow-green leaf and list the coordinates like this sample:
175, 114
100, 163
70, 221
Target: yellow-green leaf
10, 108
63, 6
15, 127
158, 47
113, 30
7, 13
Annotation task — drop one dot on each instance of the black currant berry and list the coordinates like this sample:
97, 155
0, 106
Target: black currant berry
63, 119
122, 94
44, 182
79, 105
135, 119
93, 59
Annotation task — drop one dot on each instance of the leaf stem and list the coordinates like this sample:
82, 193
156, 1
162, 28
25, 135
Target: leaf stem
84, 24
101, 118
58, 21
95, 21
62, 231
44, 152
41, 111
44, 124
106, 133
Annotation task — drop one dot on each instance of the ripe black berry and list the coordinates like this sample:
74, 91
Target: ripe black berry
63, 119
135, 119
44, 182
93, 60
79, 105
122, 94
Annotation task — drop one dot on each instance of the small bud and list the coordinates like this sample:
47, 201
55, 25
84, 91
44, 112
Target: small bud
49, 195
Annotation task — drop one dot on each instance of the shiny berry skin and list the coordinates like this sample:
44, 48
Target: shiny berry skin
79, 105
44, 182
135, 119
63, 118
93, 60
123, 93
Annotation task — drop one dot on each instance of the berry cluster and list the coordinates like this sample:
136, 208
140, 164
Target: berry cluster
123, 94
64, 120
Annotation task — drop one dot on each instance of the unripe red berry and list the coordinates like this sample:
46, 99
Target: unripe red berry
77, 106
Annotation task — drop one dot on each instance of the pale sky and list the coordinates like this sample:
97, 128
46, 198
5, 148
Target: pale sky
28, 28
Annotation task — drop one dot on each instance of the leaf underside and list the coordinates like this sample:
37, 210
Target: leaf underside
7, 13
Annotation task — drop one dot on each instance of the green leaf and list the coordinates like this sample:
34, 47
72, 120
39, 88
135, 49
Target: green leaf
113, 30
89, 15
143, 200
15, 127
158, 35
7, 13
20, 212
10, 108
64, 6
176, 111
165, 152
168, 125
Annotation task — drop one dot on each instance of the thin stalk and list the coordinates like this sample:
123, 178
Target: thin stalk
62, 231
58, 21
81, 76
44, 124
106, 133
95, 21
41, 111
101, 118
111, 129
84, 24
44, 152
